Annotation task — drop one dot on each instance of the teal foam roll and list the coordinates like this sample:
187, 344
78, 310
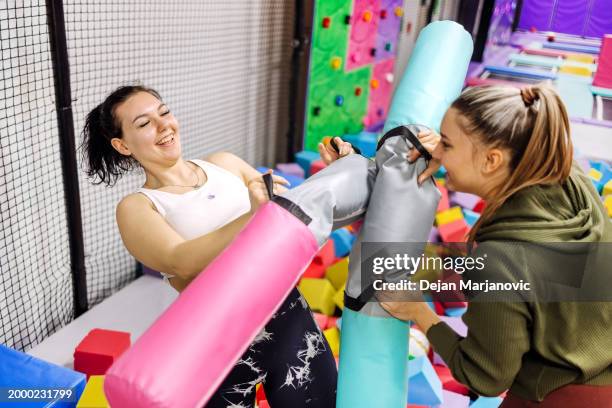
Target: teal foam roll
433, 78
380, 346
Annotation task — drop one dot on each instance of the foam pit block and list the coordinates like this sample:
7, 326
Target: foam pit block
339, 298
424, 386
20, 370
343, 242
293, 169
337, 273
448, 216
454, 400
333, 338
319, 293
316, 166
326, 255
93, 396
314, 270
448, 381
99, 350
487, 402
305, 159
455, 231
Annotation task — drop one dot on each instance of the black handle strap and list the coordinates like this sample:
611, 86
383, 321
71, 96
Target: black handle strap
356, 304
409, 135
267, 178
333, 144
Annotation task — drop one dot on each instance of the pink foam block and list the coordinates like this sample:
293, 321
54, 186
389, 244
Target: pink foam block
185, 355
317, 166
603, 76
362, 40
444, 203
380, 96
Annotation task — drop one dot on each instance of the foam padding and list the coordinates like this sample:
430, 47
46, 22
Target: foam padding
20, 371
576, 95
378, 382
232, 298
426, 89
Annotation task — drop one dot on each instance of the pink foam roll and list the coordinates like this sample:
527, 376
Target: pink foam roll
185, 355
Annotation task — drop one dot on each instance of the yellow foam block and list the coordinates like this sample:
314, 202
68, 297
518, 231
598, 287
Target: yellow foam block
586, 58
339, 297
448, 216
337, 273
575, 70
595, 174
607, 188
93, 395
319, 293
333, 338
608, 205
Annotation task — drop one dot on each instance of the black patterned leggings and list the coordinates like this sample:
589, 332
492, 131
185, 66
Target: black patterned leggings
292, 360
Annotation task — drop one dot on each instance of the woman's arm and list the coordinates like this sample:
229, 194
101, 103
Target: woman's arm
152, 241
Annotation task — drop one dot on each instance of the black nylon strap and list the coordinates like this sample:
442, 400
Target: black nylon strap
293, 208
333, 144
356, 304
269, 182
409, 135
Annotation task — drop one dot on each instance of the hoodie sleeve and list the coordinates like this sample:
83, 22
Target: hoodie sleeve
489, 358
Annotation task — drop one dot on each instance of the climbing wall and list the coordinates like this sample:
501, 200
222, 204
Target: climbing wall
350, 82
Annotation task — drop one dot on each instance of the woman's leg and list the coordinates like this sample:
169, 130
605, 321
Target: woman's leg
301, 370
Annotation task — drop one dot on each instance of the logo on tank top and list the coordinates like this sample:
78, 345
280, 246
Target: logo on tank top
210, 196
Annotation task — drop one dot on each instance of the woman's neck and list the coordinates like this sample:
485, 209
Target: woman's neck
178, 174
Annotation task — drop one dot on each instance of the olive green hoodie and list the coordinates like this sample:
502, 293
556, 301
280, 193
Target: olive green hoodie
533, 348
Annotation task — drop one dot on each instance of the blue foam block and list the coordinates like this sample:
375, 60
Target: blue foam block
470, 216
364, 141
455, 311
441, 173
487, 402
293, 180
424, 385
343, 242
305, 159
587, 49
22, 371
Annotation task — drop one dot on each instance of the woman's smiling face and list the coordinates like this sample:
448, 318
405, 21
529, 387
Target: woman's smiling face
150, 132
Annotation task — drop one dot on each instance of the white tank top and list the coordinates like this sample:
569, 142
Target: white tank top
222, 199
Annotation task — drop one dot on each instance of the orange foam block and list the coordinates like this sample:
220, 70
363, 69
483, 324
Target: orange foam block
99, 350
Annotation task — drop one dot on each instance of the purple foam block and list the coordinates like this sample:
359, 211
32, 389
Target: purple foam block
291, 168
456, 324
434, 236
464, 200
453, 400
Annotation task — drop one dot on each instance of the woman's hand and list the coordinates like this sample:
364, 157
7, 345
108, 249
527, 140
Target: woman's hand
329, 154
431, 142
408, 307
258, 194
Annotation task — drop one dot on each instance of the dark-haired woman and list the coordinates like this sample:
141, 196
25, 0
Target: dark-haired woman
513, 149
183, 216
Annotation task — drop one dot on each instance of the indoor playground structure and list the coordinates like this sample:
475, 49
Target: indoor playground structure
83, 324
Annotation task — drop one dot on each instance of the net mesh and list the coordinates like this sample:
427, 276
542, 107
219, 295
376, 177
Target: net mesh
36, 284
222, 68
